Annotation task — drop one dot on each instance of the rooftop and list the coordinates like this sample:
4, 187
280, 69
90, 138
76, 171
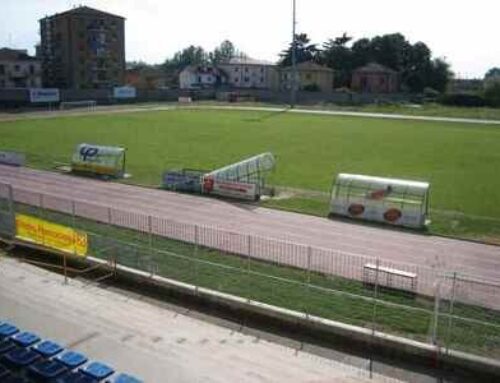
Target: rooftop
247, 61
83, 10
15, 55
374, 67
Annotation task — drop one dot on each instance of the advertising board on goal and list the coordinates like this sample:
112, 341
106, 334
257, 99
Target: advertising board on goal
392, 201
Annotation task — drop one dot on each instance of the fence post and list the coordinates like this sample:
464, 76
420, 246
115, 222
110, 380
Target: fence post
450, 313
375, 297
249, 252
435, 320
195, 258
12, 211
308, 276
150, 233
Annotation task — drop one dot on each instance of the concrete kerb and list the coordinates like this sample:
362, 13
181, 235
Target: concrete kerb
392, 344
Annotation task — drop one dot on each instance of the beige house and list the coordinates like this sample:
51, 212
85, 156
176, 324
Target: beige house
18, 69
245, 72
310, 76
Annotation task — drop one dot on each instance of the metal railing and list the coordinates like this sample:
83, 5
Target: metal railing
441, 307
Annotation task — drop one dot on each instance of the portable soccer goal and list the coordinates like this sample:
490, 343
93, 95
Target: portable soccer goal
84, 104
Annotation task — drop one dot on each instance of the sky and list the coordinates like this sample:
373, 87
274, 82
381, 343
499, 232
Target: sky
465, 33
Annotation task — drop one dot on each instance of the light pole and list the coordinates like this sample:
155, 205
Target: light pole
294, 59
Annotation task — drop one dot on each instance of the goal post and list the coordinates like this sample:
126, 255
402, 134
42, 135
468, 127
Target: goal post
88, 104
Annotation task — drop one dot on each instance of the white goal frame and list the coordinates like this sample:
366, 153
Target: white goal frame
89, 104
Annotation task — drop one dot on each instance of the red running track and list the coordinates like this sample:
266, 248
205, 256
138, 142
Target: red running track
477, 260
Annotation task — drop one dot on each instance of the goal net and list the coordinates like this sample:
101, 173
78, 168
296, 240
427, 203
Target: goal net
87, 104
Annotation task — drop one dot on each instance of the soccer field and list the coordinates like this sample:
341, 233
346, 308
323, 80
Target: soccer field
462, 161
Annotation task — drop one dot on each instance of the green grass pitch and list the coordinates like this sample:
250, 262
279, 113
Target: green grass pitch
461, 161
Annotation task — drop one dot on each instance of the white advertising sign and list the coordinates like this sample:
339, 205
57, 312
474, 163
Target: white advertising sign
379, 212
231, 189
44, 95
124, 92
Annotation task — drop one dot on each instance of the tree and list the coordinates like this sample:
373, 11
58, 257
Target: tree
492, 92
224, 52
304, 51
413, 62
192, 55
338, 56
492, 73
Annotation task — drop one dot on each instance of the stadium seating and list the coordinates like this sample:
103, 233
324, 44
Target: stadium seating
26, 358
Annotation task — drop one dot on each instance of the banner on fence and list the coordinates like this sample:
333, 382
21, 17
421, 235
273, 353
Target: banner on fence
51, 235
44, 95
12, 158
124, 92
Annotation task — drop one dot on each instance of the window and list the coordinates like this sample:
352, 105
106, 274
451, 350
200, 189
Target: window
382, 81
236, 69
236, 79
262, 70
247, 79
246, 70
32, 69
2, 69
308, 76
17, 68
262, 79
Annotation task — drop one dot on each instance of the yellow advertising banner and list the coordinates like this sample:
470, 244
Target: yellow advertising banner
51, 235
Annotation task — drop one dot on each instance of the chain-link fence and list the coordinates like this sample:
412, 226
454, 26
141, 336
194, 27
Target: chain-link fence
417, 302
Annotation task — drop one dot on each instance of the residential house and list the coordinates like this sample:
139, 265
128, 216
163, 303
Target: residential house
200, 77
310, 76
248, 73
82, 48
18, 69
375, 78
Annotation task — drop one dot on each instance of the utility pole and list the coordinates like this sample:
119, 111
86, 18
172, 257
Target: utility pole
294, 59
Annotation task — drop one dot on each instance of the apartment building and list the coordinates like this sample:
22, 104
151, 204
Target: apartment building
82, 48
245, 72
18, 69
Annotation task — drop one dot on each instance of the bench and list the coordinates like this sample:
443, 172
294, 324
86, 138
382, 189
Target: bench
389, 277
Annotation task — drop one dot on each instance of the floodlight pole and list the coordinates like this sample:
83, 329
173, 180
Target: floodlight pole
294, 57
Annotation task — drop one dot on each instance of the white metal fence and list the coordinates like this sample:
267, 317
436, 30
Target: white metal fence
424, 303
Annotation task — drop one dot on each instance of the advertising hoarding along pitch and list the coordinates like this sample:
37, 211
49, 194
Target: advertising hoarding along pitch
12, 158
230, 189
51, 235
44, 95
124, 92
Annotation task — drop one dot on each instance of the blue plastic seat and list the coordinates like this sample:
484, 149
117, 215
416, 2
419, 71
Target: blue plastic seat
97, 370
6, 345
20, 357
124, 378
76, 377
47, 369
71, 359
7, 329
47, 348
25, 339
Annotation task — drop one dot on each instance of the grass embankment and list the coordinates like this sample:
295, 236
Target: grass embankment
473, 329
459, 160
